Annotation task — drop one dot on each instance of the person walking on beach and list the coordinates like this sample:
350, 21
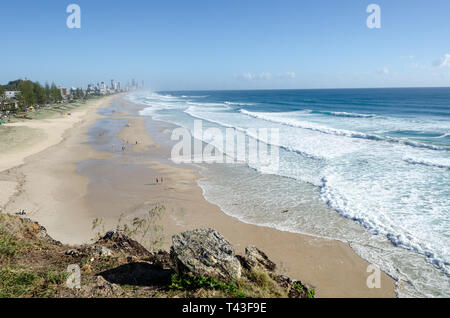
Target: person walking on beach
156, 180
162, 180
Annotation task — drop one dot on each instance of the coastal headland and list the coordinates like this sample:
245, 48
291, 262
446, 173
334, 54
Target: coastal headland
102, 162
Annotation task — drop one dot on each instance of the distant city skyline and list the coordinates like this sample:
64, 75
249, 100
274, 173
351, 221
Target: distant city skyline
115, 85
204, 45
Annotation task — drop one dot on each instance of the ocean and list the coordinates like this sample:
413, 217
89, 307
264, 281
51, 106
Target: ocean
370, 167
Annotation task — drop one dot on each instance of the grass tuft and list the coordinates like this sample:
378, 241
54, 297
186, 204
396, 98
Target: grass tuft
22, 282
10, 246
188, 283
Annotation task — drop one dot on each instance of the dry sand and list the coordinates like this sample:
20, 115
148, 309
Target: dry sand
43, 176
35, 136
67, 183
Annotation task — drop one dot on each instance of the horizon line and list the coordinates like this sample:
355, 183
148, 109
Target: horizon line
294, 89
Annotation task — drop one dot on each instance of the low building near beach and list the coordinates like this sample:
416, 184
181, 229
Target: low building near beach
11, 94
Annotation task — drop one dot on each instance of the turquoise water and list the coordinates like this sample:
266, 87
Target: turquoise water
367, 166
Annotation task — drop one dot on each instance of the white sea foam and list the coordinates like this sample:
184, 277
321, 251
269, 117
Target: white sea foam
346, 114
392, 186
284, 119
438, 163
309, 125
239, 104
193, 96
443, 136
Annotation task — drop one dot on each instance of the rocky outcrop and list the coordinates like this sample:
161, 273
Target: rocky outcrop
255, 258
114, 243
119, 242
118, 266
24, 228
205, 252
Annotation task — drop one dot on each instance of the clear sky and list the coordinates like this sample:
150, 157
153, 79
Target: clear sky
228, 44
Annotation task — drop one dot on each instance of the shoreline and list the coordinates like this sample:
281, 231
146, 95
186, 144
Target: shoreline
113, 183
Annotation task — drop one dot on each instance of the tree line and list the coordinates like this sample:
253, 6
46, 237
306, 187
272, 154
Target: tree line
31, 94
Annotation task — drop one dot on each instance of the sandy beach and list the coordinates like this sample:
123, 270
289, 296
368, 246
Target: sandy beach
102, 161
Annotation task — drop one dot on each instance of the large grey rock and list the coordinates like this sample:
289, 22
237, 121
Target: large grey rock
205, 252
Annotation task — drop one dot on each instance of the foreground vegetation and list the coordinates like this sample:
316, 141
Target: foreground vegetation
32, 264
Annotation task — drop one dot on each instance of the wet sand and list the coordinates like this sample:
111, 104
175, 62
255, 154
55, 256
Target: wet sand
87, 175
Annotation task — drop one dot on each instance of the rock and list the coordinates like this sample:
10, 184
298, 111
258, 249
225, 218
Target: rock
255, 258
87, 269
93, 251
162, 259
102, 251
205, 252
119, 242
298, 290
106, 288
110, 235
132, 259
34, 229
75, 253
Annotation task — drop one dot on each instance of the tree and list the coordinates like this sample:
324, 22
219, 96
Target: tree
55, 93
27, 95
2, 93
48, 98
78, 93
39, 94
13, 85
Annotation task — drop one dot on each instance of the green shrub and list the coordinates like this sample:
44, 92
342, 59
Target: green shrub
196, 282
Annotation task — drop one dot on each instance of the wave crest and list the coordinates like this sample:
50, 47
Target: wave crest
338, 132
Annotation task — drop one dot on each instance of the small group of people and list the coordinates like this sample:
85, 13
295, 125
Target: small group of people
124, 146
159, 180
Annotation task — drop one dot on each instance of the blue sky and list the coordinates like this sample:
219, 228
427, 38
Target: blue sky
228, 44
